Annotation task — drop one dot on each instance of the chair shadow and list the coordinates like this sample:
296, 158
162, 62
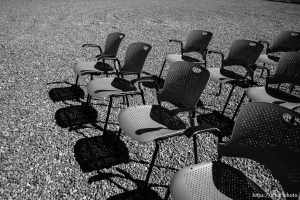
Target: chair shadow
137, 194
223, 123
286, 1
66, 93
76, 116
100, 152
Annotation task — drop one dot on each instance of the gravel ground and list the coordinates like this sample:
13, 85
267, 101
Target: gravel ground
39, 43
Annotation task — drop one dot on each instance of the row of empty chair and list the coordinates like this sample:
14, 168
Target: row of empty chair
264, 132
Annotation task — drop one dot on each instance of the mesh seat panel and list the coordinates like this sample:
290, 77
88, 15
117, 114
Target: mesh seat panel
135, 57
102, 87
81, 68
112, 43
197, 40
269, 134
184, 84
214, 180
177, 57
243, 52
147, 123
285, 41
287, 70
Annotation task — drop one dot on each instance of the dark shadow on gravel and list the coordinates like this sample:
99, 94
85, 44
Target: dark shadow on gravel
286, 1
137, 194
224, 123
66, 93
100, 152
76, 116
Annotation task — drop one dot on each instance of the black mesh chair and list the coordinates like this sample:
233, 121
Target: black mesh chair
242, 53
266, 133
100, 67
135, 58
184, 84
197, 41
285, 41
286, 72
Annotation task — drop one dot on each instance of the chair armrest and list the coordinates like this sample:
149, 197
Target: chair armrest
216, 52
143, 80
177, 41
93, 45
103, 56
202, 128
264, 42
180, 110
268, 70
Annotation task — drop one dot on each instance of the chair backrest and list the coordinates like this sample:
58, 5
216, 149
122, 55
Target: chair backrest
287, 70
269, 134
285, 41
135, 57
112, 43
243, 53
196, 41
184, 84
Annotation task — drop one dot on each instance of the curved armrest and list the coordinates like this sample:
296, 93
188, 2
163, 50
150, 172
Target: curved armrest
203, 128
216, 52
103, 56
93, 45
177, 41
265, 68
143, 80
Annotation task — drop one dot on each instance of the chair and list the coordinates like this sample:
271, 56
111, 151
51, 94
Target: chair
287, 71
196, 41
285, 41
242, 53
135, 58
100, 67
264, 133
183, 86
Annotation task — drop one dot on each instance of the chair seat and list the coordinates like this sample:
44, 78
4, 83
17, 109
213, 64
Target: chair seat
274, 96
149, 122
213, 180
222, 76
270, 60
91, 67
171, 58
103, 87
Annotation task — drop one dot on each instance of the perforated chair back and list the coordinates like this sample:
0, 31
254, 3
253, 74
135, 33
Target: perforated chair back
269, 134
184, 84
287, 70
285, 41
243, 53
196, 41
135, 57
112, 43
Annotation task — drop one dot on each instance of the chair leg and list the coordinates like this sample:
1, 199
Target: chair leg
162, 68
151, 165
88, 99
167, 194
107, 115
118, 137
262, 71
195, 148
76, 80
127, 101
292, 86
220, 89
239, 105
227, 101
143, 98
